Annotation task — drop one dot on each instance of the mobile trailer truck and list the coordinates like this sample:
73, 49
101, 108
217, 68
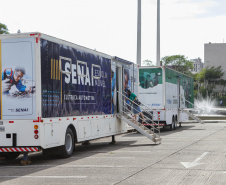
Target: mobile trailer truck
55, 93
167, 92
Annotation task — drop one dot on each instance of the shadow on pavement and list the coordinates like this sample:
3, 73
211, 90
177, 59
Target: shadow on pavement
40, 162
164, 131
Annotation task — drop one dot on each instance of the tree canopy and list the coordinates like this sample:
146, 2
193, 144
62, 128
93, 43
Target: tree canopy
3, 29
210, 74
179, 63
207, 79
148, 63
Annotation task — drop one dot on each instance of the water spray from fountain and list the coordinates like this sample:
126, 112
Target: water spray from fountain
205, 105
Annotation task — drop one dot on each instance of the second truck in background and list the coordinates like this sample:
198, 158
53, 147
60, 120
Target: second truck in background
167, 92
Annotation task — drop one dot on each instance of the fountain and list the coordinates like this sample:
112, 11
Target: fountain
208, 109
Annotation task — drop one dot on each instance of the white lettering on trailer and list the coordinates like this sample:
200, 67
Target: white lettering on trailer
67, 69
96, 72
80, 78
80, 97
74, 80
100, 83
87, 80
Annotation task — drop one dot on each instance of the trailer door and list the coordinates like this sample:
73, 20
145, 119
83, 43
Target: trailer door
17, 58
151, 89
178, 92
135, 79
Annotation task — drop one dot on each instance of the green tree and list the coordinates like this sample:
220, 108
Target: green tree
208, 78
148, 63
210, 74
223, 84
196, 84
213, 73
3, 29
179, 63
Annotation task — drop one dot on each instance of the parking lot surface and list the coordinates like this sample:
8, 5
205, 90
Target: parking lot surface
192, 154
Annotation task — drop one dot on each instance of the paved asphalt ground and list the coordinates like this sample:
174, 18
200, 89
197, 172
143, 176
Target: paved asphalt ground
193, 154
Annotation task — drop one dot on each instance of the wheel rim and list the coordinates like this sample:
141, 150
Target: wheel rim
68, 142
173, 123
176, 122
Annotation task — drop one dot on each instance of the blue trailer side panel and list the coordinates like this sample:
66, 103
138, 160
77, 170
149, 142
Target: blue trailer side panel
84, 88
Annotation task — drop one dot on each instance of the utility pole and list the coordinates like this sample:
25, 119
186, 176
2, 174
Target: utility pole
139, 32
198, 86
158, 34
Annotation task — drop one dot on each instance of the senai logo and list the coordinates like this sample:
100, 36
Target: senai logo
22, 110
169, 101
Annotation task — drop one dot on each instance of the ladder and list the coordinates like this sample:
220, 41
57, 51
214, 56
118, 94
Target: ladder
126, 115
191, 115
186, 111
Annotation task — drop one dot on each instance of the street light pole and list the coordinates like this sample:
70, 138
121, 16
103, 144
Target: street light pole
198, 86
158, 34
139, 32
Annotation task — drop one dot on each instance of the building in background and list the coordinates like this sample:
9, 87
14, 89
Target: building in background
198, 65
215, 55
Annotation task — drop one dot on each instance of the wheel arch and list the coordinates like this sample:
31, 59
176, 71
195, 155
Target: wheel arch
71, 126
173, 119
176, 117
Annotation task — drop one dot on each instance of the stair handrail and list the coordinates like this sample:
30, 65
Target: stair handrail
201, 110
138, 105
143, 105
190, 114
130, 112
148, 108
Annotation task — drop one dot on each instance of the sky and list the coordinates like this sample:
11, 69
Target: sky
110, 26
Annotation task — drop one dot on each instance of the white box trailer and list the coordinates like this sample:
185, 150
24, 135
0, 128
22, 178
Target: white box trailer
55, 93
166, 91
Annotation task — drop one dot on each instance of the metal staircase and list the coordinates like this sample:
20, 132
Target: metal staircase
126, 114
190, 114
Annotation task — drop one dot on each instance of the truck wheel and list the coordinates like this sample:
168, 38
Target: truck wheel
46, 152
11, 156
172, 126
68, 147
176, 124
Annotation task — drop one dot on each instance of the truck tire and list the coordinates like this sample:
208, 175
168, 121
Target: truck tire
11, 156
46, 152
176, 123
68, 148
172, 126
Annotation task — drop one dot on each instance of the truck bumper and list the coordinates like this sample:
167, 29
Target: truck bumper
20, 149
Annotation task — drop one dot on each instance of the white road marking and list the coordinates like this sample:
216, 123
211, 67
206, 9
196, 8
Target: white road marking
124, 151
195, 162
65, 166
46, 177
106, 157
133, 151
